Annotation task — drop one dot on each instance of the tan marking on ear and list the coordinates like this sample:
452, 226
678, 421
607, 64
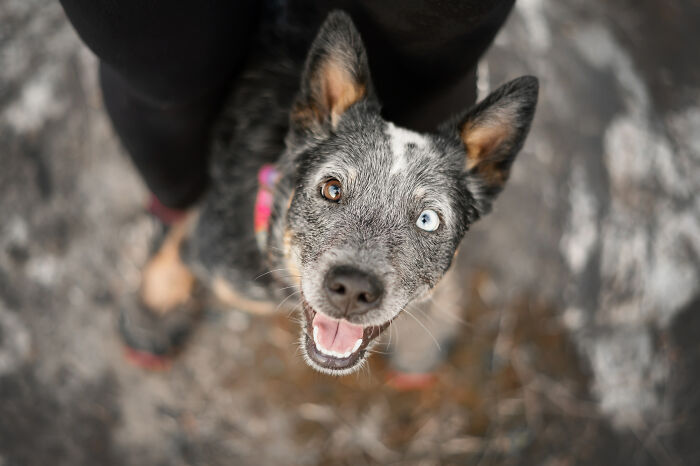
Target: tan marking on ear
339, 89
229, 297
333, 92
166, 282
481, 141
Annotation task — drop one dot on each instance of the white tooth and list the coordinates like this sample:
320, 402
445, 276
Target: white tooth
357, 346
332, 353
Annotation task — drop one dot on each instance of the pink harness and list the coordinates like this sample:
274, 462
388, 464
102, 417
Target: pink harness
267, 178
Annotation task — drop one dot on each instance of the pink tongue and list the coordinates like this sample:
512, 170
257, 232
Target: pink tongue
336, 335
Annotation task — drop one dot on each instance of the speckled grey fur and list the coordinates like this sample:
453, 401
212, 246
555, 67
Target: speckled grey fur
389, 175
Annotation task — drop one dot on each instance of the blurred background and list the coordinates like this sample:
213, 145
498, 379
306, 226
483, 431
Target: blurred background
580, 340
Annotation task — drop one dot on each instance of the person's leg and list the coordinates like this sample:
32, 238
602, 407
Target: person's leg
164, 70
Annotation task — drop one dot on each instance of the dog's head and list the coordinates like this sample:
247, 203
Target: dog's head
378, 211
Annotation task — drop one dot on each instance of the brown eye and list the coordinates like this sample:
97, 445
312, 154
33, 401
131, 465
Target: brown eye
331, 190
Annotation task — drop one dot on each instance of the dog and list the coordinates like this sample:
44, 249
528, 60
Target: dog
315, 197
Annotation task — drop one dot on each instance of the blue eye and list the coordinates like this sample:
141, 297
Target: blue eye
428, 220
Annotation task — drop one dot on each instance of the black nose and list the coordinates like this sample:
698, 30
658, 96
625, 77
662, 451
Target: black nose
352, 291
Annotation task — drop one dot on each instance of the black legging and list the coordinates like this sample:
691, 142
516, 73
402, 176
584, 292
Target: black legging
165, 67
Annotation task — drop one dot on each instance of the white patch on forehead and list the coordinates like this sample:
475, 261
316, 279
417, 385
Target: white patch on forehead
399, 163
399, 138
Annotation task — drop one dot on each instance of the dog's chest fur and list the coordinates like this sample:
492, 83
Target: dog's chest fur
249, 133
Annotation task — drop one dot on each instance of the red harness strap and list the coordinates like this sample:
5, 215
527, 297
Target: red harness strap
267, 178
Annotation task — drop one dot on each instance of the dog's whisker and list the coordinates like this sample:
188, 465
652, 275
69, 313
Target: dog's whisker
269, 272
424, 328
452, 317
285, 299
391, 330
442, 311
288, 287
294, 309
429, 318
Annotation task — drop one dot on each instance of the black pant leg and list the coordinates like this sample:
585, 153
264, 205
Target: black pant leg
422, 53
164, 70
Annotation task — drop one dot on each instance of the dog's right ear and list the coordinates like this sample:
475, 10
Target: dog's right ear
492, 133
336, 76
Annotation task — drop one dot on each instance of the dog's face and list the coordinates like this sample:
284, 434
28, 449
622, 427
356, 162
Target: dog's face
378, 211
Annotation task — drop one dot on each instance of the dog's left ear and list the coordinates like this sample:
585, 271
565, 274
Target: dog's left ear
493, 132
336, 76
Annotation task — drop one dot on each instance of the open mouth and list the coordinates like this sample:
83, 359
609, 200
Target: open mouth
337, 346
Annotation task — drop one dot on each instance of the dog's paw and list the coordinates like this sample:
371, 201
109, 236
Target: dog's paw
153, 339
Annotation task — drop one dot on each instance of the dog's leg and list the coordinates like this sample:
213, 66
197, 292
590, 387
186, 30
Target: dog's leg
230, 298
166, 282
420, 341
227, 294
155, 326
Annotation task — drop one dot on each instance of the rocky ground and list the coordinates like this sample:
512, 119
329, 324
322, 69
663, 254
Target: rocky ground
579, 345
